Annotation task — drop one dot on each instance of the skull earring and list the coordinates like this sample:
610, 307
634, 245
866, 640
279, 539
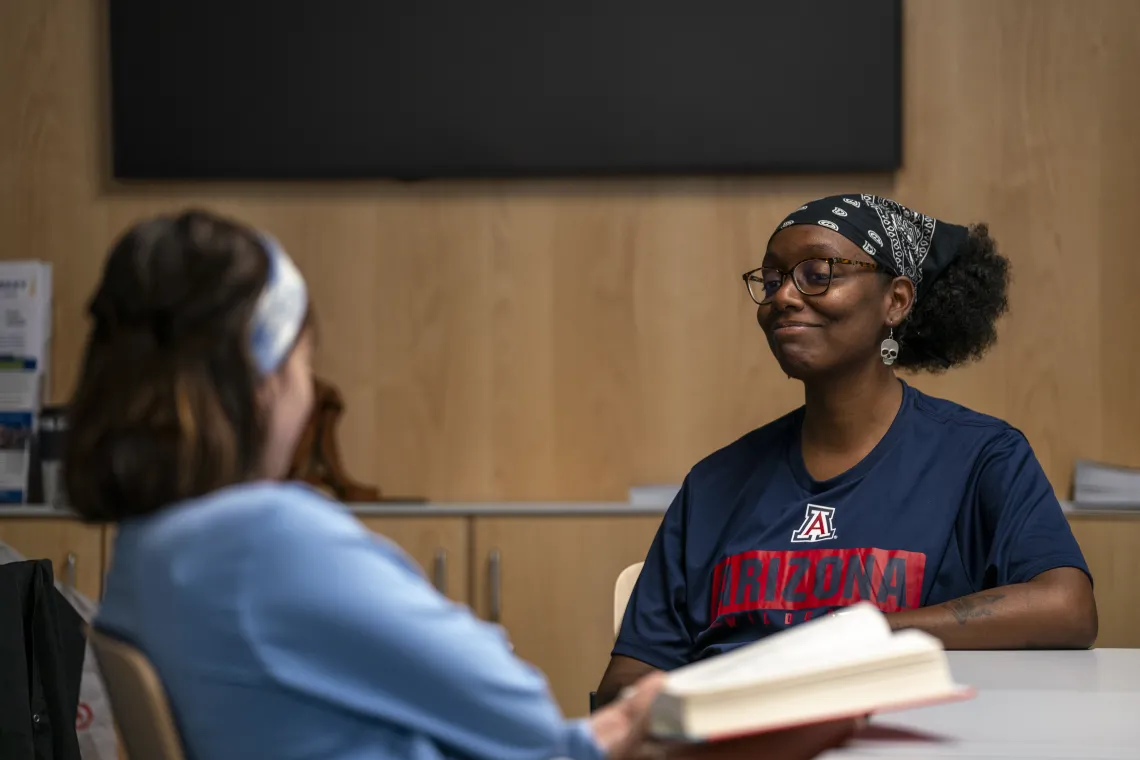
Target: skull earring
889, 349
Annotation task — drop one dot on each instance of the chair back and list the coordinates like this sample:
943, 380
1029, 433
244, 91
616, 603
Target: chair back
138, 700
623, 589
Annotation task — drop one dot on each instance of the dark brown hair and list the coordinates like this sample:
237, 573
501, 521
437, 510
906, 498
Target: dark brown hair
956, 321
165, 407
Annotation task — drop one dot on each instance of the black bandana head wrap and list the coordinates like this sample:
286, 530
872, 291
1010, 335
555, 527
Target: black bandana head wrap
902, 241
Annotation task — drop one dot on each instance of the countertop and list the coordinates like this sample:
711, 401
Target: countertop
433, 509
535, 508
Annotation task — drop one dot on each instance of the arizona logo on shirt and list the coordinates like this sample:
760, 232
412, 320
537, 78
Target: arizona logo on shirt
818, 525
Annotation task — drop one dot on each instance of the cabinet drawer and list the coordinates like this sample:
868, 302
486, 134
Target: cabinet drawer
438, 544
550, 582
74, 548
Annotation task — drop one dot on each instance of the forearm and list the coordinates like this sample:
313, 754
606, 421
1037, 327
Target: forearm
1039, 614
621, 673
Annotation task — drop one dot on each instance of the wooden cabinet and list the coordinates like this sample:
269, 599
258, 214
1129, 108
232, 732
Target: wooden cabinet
550, 581
548, 577
1111, 545
74, 548
438, 544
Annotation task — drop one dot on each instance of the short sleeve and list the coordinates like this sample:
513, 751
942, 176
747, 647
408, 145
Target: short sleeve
1017, 529
341, 616
655, 628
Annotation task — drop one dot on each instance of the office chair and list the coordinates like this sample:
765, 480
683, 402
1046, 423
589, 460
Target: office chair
623, 589
137, 699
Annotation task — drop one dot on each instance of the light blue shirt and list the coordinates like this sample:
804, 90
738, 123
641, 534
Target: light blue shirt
282, 628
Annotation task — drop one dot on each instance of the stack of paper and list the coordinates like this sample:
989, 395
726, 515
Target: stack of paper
25, 334
1103, 486
653, 495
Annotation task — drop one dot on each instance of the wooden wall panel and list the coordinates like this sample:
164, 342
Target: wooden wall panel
566, 339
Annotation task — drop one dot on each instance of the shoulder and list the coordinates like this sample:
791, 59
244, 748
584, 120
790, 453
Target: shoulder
961, 421
965, 434
261, 510
292, 507
714, 480
741, 455
253, 520
295, 521
308, 549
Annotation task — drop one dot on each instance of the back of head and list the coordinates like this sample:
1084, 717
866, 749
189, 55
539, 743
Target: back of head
166, 407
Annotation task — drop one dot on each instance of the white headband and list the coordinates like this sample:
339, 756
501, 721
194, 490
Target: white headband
280, 310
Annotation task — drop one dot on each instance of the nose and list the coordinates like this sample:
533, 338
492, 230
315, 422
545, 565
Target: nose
787, 296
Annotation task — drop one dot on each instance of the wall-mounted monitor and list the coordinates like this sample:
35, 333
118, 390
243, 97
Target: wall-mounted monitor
296, 89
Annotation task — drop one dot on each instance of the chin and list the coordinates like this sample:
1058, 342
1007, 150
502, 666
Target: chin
797, 370
797, 365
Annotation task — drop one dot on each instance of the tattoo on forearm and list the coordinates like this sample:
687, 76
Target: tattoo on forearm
976, 606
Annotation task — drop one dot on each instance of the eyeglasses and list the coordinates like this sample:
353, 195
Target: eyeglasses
812, 277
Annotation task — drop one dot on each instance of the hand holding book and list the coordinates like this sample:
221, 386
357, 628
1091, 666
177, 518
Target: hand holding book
839, 667
801, 743
621, 729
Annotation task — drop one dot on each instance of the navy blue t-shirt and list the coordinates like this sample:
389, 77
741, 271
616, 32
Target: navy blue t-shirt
949, 502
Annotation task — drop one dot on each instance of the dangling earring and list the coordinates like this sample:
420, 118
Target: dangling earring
889, 349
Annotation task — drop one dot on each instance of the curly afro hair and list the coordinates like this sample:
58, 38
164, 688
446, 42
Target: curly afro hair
955, 321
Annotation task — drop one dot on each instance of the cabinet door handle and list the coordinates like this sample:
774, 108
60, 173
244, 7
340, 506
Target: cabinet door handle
495, 573
439, 571
69, 570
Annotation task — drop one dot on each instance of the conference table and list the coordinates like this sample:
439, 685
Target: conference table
1046, 705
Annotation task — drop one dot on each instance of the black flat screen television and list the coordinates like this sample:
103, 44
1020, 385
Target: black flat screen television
298, 89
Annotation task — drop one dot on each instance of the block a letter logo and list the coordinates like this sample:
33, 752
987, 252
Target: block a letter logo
818, 525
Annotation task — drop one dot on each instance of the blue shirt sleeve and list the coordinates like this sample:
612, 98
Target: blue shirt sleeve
655, 628
341, 615
1017, 530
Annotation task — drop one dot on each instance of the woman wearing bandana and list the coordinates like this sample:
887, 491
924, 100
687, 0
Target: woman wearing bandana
940, 516
281, 627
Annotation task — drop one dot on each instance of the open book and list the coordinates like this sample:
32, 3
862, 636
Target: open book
845, 664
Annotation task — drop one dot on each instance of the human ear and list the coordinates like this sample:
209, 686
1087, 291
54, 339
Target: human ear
899, 300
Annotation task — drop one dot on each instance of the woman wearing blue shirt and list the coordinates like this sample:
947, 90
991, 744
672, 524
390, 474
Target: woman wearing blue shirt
279, 625
871, 490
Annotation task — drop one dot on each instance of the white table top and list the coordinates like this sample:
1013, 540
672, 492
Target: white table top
1046, 705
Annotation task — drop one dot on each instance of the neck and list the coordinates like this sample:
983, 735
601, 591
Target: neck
845, 413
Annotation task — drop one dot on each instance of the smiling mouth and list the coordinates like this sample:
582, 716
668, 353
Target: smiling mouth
791, 326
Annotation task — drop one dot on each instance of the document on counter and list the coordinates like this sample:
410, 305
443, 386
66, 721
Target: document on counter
25, 335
